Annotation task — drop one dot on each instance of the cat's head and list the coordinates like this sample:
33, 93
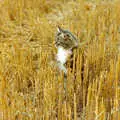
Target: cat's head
65, 39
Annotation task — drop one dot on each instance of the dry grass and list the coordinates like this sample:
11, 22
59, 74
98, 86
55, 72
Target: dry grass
30, 89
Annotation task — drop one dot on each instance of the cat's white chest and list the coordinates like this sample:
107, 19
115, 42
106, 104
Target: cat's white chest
62, 55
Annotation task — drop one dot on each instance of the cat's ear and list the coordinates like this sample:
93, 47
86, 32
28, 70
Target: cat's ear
59, 29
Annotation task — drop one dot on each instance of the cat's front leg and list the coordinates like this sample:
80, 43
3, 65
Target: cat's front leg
62, 67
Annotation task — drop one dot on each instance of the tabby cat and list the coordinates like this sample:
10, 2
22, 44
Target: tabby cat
65, 43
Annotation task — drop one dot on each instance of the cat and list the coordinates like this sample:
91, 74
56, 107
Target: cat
65, 43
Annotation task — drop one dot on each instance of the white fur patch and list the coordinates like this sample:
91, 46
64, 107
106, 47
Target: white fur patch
62, 57
63, 54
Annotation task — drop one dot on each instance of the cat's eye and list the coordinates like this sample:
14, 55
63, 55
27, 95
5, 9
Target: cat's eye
59, 33
67, 35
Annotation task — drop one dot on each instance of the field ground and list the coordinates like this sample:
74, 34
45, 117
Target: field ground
30, 87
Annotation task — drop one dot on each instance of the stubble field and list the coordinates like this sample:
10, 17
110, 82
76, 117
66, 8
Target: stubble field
30, 86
